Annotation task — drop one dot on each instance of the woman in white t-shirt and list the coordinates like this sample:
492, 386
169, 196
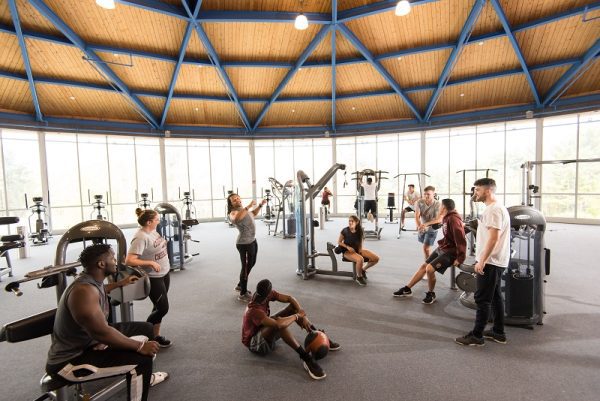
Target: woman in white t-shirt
149, 251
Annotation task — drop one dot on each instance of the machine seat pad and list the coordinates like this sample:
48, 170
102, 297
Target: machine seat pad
12, 238
467, 268
31, 327
190, 223
8, 220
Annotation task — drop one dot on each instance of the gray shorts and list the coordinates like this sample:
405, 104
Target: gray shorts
260, 345
428, 237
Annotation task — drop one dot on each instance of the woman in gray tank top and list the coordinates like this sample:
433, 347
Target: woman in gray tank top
243, 219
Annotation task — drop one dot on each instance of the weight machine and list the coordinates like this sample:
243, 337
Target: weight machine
420, 182
8, 242
188, 211
175, 231
99, 207
41, 324
42, 233
360, 199
530, 190
284, 194
305, 227
144, 202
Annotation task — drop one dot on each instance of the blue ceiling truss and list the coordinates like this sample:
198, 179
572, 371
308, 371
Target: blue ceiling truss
334, 22
17, 23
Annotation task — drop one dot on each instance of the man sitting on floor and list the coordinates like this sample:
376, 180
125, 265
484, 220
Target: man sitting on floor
260, 331
81, 333
451, 250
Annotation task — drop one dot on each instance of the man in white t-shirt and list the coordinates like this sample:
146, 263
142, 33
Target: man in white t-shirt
493, 255
370, 188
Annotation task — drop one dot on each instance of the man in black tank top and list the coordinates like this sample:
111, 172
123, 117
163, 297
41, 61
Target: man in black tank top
81, 333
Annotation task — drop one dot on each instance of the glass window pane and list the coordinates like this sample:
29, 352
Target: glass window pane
121, 156
560, 143
147, 154
346, 186
176, 168
284, 159
366, 152
63, 170
22, 169
588, 206
264, 165
463, 151
199, 159
64, 218
303, 157
387, 160
520, 147
558, 206
437, 160
490, 154
93, 164
2, 191
323, 158
589, 140
220, 171
242, 167
588, 181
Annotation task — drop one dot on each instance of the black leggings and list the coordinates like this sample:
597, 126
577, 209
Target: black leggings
114, 357
159, 287
248, 254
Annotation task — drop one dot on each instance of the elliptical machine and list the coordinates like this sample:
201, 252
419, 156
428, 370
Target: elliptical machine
144, 202
42, 234
188, 210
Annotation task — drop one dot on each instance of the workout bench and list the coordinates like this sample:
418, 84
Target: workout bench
8, 242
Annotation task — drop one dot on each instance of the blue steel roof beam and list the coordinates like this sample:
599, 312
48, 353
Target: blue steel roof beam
43, 9
569, 77
367, 54
518, 52
305, 54
334, 13
17, 23
495, 75
157, 7
580, 103
217, 63
215, 16
184, 44
310, 64
462, 39
375, 8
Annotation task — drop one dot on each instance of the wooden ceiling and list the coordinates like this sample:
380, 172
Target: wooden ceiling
246, 64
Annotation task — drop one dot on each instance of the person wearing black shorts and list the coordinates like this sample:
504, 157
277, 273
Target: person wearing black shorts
451, 250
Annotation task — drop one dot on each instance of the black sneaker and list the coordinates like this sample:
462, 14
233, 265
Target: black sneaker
491, 335
403, 229
313, 369
333, 346
403, 292
471, 340
429, 298
365, 275
361, 281
163, 342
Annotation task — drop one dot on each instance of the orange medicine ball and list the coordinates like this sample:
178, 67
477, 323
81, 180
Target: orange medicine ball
317, 343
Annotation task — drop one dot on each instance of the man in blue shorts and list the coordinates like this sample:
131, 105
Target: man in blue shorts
451, 250
427, 212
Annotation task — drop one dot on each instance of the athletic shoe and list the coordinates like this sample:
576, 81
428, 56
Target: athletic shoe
158, 377
429, 298
471, 340
365, 275
163, 342
361, 281
491, 335
333, 346
402, 228
313, 369
247, 297
403, 292
237, 288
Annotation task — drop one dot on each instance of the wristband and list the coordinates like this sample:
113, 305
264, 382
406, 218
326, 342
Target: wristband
297, 317
142, 343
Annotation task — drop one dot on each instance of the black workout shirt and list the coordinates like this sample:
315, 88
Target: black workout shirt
352, 239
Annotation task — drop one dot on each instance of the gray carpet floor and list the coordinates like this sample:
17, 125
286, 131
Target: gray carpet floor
392, 349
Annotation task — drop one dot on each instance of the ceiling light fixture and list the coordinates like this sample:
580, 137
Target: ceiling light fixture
462, 95
402, 8
301, 22
108, 4
72, 97
293, 110
353, 108
196, 108
481, 43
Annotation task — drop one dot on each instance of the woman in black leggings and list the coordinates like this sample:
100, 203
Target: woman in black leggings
243, 219
149, 250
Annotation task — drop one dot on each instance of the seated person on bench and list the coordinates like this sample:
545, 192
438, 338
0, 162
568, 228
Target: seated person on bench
351, 243
451, 250
260, 331
81, 333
